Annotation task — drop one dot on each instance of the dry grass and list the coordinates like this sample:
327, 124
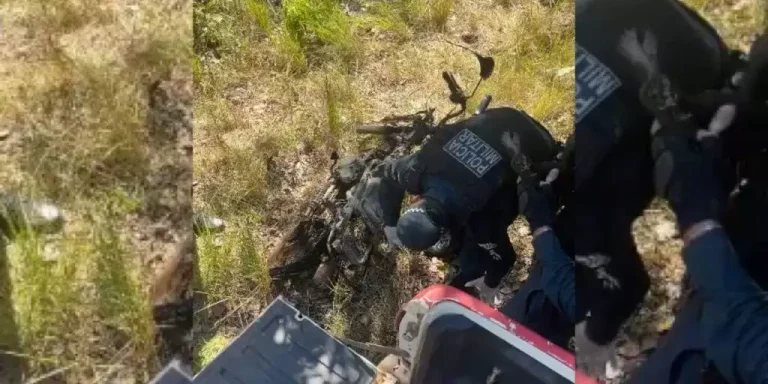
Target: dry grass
278, 89
75, 76
737, 21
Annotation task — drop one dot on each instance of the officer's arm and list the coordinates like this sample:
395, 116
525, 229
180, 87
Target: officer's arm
735, 318
399, 176
558, 273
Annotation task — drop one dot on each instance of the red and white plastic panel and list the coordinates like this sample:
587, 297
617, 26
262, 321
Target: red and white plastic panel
441, 299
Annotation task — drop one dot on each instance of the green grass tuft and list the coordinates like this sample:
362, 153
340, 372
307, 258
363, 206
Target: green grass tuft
260, 12
340, 107
234, 270
319, 24
383, 16
339, 322
439, 11
87, 304
291, 55
210, 349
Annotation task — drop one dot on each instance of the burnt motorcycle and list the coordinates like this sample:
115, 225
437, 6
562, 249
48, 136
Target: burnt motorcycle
342, 227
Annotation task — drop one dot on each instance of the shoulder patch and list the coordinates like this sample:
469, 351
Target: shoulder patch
472, 152
594, 82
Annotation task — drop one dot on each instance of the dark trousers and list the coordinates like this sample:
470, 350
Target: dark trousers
680, 358
605, 207
531, 308
530, 305
486, 249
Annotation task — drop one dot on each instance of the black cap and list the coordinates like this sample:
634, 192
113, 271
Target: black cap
421, 225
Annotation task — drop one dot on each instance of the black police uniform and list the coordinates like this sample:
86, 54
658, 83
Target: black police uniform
466, 168
613, 182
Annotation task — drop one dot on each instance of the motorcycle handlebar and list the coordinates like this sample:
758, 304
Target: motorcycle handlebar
483, 104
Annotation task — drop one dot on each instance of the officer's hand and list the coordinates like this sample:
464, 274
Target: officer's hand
392, 240
537, 204
688, 173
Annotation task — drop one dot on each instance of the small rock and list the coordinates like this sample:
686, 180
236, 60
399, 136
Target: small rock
4, 134
666, 230
565, 71
673, 290
469, 38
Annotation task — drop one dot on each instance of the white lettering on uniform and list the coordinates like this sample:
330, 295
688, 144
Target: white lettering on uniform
472, 152
494, 157
463, 136
594, 82
453, 145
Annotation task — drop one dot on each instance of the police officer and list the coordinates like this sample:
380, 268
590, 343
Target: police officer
614, 166
464, 180
719, 334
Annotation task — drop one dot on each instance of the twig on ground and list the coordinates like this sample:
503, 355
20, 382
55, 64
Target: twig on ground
374, 347
209, 306
51, 374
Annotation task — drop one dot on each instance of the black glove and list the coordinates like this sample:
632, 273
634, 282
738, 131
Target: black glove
536, 204
688, 173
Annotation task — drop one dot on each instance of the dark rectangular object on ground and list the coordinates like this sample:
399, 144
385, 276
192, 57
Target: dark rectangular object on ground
283, 346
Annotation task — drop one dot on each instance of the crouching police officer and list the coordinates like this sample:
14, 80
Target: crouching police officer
464, 178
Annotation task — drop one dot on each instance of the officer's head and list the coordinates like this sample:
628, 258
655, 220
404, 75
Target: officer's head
421, 225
